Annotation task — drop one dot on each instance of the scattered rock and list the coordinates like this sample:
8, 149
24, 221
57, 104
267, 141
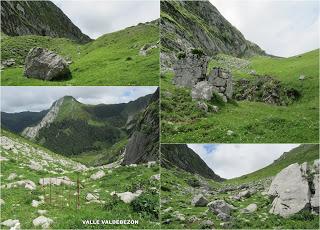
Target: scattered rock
146, 49
168, 210
64, 180
220, 206
230, 132
202, 105
221, 80
202, 91
2, 202
207, 224
35, 166
8, 63
316, 180
302, 77
12, 224
290, 191
98, 175
128, 197
42, 221
151, 163
223, 216
12, 176
193, 219
178, 216
155, 177
36, 203
199, 201
28, 184
250, 208
45, 64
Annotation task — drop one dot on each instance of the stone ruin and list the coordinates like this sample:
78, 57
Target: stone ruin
191, 72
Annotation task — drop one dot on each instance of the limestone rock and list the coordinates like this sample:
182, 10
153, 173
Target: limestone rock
202, 91
35, 166
290, 191
42, 212
220, 206
155, 177
8, 63
2, 202
316, 180
12, 176
12, 224
44, 64
199, 201
98, 175
42, 221
128, 197
207, 224
28, 184
203, 106
64, 180
221, 79
250, 208
189, 70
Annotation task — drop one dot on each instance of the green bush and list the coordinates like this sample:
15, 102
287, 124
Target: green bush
147, 205
181, 55
198, 52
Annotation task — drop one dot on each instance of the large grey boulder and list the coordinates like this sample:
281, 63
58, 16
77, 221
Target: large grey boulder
97, 175
249, 209
202, 91
63, 180
44, 64
42, 221
12, 224
190, 69
290, 190
199, 201
220, 206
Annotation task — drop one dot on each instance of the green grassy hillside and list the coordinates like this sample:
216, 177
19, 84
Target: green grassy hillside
62, 209
301, 154
251, 122
112, 59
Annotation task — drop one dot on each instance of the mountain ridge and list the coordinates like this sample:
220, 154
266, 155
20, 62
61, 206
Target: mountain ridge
18, 18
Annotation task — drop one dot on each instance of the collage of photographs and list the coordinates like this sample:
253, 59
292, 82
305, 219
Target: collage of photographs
159, 114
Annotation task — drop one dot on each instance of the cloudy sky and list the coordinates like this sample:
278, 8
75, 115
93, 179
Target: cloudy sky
234, 160
17, 99
281, 27
98, 17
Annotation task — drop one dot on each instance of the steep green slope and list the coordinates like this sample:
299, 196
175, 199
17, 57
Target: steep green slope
112, 59
301, 154
42, 18
182, 157
251, 122
63, 206
199, 24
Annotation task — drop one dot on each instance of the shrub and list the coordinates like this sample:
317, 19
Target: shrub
147, 205
128, 58
198, 52
181, 55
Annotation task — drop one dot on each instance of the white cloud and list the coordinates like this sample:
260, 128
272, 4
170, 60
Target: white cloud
96, 18
234, 160
37, 98
282, 28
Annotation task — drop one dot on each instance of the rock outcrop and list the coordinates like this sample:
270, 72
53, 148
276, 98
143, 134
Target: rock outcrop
32, 132
46, 65
264, 89
42, 18
143, 143
198, 24
293, 189
190, 69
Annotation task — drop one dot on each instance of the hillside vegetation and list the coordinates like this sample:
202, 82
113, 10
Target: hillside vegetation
112, 59
250, 122
60, 201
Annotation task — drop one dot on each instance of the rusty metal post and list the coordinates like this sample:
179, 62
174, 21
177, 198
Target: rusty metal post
78, 192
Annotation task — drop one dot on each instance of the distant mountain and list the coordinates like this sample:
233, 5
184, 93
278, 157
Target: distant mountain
38, 18
182, 157
17, 122
198, 24
71, 128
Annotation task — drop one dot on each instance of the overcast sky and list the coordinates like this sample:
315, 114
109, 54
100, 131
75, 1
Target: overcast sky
98, 17
234, 160
17, 99
280, 27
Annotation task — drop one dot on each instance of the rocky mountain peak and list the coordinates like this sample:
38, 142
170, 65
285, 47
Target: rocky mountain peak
42, 18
